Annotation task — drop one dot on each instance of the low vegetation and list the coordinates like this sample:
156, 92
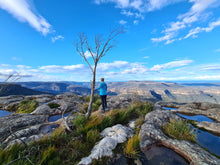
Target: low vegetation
95, 105
27, 106
68, 148
53, 105
179, 129
132, 148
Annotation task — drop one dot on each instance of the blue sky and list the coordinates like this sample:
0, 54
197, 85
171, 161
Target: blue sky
165, 40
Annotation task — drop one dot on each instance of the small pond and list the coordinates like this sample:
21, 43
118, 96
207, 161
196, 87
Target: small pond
57, 117
209, 141
48, 129
4, 113
204, 138
198, 118
167, 108
156, 155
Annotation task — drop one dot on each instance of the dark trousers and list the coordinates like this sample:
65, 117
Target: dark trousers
104, 102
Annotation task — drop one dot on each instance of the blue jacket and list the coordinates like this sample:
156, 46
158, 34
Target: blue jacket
103, 88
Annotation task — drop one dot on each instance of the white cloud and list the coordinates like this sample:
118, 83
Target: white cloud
122, 22
135, 22
195, 14
173, 64
146, 57
23, 67
16, 58
22, 10
113, 65
63, 69
139, 5
59, 37
217, 50
197, 30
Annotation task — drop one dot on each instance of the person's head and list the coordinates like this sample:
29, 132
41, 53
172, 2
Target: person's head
102, 79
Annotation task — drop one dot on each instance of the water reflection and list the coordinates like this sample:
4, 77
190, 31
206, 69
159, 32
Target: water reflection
57, 117
4, 113
209, 141
198, 118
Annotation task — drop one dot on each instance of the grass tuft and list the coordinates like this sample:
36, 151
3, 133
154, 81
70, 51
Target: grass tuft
27, 106
132, 148
179, 129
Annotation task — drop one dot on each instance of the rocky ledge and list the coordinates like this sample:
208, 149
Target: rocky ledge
208, 109
151, 133
16, 126
212, 127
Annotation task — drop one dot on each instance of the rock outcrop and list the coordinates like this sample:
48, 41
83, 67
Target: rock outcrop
111, 137
208, 109
209, 126
22, 124
151, 133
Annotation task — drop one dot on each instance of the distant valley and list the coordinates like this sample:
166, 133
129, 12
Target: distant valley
164, 91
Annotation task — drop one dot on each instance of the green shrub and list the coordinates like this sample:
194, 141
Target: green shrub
107, 121
95, 107
132, 148
53, 105
79, 121
27, 106
179, 129
48, 155
141, 108
92, 136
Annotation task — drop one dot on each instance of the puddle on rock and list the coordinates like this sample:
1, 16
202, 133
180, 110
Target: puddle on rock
208, 141
4, 113
167, 108
57, 117
48, 129
156, 155
159, 155
198, 118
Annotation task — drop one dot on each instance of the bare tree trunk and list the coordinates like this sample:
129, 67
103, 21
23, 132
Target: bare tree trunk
89, 110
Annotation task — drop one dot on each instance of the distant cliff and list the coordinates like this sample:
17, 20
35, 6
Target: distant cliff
165, 91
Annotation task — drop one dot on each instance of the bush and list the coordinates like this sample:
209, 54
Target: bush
132, 148
27, 106
179, 130
79, 121
53, 105
92, 136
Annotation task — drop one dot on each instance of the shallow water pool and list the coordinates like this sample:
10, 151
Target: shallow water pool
4, 113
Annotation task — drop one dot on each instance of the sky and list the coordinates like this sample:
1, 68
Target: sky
165, 40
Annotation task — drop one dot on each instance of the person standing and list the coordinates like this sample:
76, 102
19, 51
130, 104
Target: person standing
103, 93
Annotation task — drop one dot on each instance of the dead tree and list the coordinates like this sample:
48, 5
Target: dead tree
101, 47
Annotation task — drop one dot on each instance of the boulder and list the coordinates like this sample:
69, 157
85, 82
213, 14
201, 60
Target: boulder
111, 137
45, 110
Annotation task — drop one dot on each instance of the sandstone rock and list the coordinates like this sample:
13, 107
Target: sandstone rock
42, 110
112, 136
16, 122
116, 102
5, 101
212, 127
208, 109
23, 133
151, 133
